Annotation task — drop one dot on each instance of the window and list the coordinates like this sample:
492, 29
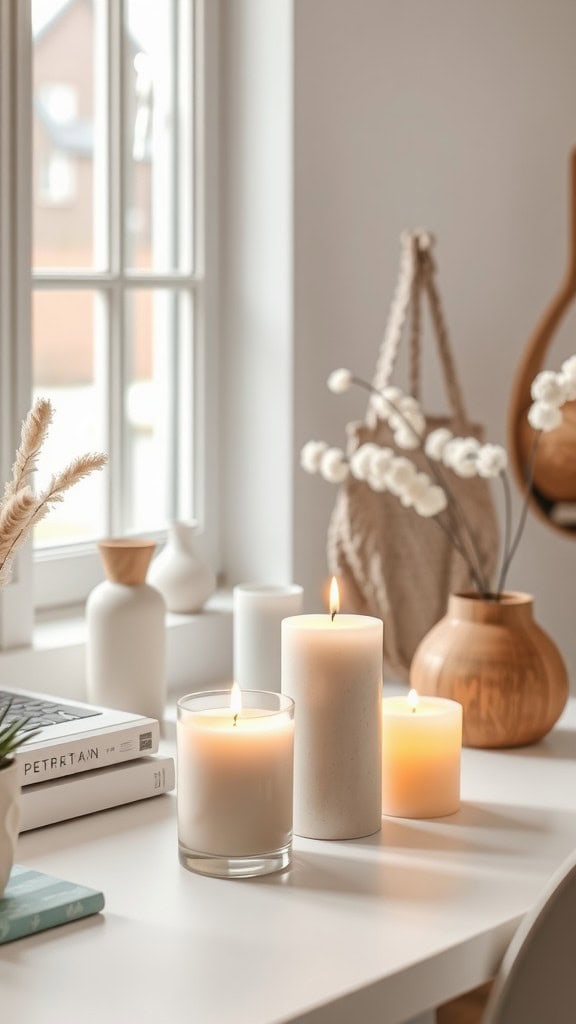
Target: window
56, 113
109, 97
57, 179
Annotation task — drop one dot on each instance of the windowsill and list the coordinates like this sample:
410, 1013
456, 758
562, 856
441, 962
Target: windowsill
199, 651
66, 627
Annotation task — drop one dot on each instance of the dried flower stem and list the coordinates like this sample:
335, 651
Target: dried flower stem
14, 518
75, 471
34, 430
22, 511
459, 523
475, 555
529, 478
456, 543
507, 529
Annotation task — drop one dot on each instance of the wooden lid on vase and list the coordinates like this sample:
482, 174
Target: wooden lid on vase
126, 561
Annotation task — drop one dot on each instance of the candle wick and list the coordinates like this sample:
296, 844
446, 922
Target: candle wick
414, 710
332, 616
235, 719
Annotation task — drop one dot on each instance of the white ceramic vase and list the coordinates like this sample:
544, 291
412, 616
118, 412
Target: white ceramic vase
9, 820
183, 578
126, 647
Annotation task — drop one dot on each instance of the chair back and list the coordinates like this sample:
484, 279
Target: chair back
536, 983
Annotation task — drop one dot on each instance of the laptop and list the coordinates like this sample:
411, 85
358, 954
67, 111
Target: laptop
75, 737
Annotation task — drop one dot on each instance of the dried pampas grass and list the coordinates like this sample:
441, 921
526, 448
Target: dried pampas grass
21, 509
77, 470
34, 430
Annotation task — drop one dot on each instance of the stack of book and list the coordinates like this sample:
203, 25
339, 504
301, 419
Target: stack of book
82, 773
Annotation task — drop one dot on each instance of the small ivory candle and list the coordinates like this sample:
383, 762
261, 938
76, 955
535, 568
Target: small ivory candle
235, 771
421, 747
332, 669
258, 613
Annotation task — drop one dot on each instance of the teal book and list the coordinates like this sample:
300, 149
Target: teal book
34, 901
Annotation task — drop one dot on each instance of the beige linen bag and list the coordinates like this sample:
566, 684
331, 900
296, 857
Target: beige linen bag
392, 562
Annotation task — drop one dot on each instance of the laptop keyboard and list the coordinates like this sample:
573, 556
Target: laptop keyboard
41, 712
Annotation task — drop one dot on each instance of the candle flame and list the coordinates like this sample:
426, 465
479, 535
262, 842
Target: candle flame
235, 701
413, 700
334, 598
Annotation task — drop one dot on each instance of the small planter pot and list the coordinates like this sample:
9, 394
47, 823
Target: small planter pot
494, 659
9, 820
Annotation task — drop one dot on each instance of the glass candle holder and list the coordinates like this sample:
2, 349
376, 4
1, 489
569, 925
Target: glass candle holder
235, 782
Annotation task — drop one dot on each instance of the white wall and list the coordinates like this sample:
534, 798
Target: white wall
454, 115
256, 289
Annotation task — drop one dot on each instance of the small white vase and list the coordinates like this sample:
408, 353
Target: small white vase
126, 648
183, 578
9, 820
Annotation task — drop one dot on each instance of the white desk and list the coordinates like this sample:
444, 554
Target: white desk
375, 930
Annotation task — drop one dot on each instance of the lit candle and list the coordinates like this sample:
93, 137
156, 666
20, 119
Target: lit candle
332, 668
421, 746
235, 757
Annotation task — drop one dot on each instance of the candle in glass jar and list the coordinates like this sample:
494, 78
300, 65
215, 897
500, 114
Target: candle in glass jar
332, 668
421, 747
235, 781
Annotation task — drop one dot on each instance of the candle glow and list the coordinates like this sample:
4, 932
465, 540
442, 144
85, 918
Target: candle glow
236, 698
413, 700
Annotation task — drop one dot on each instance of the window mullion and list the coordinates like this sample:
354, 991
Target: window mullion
101, 207
130, 279
186, 182
173, 368
117, 305
16, 600
116, 432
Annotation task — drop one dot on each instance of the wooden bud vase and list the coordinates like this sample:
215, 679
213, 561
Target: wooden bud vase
493, 658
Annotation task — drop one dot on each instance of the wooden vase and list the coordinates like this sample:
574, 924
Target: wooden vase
555, 463
492, 657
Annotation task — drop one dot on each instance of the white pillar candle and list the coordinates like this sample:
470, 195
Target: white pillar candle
332, 669
421, 747
258, 613
235, 772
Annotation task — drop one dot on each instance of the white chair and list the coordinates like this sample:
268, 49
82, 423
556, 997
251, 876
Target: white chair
536, 983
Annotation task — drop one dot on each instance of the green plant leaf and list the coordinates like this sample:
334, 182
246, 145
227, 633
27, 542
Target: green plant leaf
14, 734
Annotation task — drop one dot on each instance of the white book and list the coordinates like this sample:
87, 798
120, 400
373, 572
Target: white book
48, 802
54, 757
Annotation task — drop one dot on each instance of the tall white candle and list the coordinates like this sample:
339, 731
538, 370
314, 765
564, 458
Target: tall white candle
258, 613
235, 782
332, 669
421, 745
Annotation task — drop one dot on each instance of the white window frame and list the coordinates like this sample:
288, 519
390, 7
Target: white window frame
64, 577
